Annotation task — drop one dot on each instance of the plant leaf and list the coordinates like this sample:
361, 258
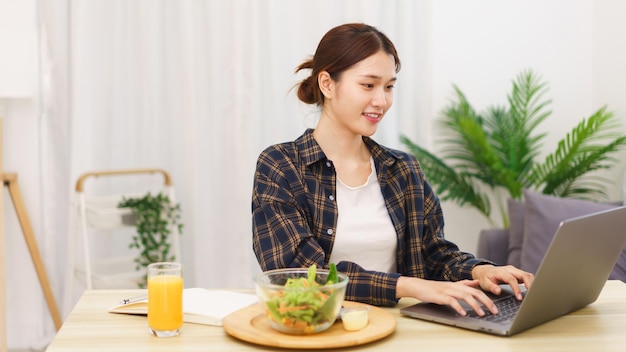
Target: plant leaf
497, 150
447, 183
583, 150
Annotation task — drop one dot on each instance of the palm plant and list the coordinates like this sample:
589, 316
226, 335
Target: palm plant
494, 155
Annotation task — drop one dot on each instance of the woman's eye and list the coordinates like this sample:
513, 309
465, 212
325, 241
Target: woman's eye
368, 85
391, 86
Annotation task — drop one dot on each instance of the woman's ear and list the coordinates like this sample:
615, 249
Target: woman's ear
326, 84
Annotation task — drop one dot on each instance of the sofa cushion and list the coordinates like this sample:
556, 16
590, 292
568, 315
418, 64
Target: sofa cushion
542, 216
516, 231
492, 244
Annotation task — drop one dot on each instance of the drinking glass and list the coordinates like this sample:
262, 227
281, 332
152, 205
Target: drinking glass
165, 298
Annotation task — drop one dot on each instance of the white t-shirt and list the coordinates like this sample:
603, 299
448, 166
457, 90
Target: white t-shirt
365, 233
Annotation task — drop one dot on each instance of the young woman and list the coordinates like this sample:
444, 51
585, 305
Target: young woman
335, 195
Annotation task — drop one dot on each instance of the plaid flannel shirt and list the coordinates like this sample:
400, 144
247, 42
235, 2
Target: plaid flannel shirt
294, 217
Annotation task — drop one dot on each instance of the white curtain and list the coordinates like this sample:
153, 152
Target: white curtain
198, 88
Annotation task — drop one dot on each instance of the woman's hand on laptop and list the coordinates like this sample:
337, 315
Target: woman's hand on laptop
490, 277
446, 293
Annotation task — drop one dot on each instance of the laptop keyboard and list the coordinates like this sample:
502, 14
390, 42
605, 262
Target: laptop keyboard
507, 308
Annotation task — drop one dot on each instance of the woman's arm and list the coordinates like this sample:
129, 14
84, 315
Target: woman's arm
282, 236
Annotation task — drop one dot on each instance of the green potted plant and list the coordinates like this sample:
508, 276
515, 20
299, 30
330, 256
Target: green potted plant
155, 217
493, 155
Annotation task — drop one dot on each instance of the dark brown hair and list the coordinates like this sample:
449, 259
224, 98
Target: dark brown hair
341, 48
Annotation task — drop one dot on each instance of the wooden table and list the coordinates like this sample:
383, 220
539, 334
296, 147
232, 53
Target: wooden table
600, 326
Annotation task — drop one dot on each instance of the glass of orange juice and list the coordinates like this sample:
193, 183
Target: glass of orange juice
165, 298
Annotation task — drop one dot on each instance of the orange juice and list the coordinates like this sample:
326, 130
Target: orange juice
165, 302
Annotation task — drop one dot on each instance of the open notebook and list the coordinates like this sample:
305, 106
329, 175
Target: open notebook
200, 306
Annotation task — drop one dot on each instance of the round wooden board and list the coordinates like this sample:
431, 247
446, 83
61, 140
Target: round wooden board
250, 324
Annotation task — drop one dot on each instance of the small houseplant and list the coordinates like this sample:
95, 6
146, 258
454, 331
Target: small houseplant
493, 155
155, 217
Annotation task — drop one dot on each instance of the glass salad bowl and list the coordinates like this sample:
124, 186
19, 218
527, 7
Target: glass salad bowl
301, 301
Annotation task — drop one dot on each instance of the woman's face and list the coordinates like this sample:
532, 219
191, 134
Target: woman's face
362, 95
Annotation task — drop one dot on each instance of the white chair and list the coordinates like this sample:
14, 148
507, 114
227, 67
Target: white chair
99, 253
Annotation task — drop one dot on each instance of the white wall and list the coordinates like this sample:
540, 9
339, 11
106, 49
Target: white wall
609, 72
479, 45
482, 45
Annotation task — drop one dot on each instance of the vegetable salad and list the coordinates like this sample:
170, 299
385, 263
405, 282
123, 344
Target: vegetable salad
306, 304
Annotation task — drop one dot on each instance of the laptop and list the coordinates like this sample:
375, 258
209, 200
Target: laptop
573, 272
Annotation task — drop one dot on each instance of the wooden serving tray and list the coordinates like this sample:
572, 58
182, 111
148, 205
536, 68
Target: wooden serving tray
250, 324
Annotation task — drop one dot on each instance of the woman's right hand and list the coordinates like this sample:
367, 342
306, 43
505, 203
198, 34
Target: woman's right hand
446, 293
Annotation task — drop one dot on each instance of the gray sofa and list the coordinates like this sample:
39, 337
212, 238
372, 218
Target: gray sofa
533, 223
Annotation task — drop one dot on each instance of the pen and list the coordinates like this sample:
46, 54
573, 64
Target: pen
133, 299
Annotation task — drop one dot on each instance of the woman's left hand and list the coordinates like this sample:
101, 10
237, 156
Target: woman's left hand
490, 277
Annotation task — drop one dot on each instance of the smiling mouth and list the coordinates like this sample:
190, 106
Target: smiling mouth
372, 116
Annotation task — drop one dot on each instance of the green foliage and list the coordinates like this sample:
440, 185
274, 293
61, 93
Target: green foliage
155, 217
496, 153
